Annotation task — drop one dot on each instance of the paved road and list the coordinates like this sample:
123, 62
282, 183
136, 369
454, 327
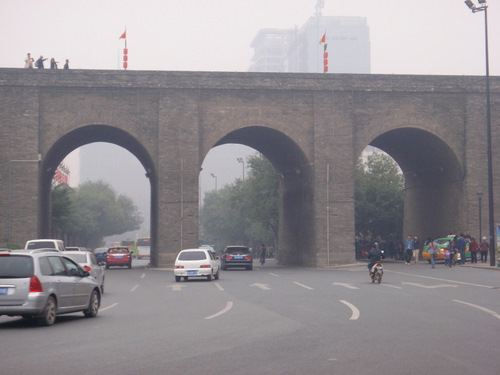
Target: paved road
273, 320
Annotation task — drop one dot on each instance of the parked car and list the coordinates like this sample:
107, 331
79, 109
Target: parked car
45, 244
196, 263
118, 256
44, 283
100, 254
89, 263
443, 245
236, 256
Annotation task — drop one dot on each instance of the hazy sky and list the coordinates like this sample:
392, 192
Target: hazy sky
407, 36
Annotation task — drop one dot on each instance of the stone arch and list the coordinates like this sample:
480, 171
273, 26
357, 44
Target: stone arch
296, 214
434, 181
80, 137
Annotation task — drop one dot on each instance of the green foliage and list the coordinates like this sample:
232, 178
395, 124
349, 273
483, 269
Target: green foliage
379, 196
243, 213
85, 215
247, 212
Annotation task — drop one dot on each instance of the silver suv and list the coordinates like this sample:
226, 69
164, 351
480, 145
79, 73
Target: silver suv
43, 283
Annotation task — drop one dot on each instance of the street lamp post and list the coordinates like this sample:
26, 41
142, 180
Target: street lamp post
479, 197
241, 161
483, 7
215, 177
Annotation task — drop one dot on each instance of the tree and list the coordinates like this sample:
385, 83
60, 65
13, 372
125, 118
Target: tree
244, 212
90, 212
379, 196
262, 200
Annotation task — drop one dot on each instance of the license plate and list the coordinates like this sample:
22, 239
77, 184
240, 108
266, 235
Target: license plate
238, 257
3, 291
118, 256
192, 272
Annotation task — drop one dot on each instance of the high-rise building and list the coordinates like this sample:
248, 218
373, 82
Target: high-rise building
298, 50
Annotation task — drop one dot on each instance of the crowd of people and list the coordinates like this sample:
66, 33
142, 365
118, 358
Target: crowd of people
411, 249
30, 63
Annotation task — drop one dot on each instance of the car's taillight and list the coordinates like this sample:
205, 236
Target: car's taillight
205, 266
35, 285
248, 257
229, 256
87, 268
179, 266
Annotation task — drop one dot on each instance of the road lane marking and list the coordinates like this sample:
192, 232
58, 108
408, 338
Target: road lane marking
273, 274
303, 286
109, 307
392, 286
345, 285
134, 287
261, 286
496, 315
219, 286
429, 286
176, 287
229, 306
439, 279
143, 276
355, 311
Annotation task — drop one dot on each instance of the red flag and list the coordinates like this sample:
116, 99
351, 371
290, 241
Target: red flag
124, 35
323, 39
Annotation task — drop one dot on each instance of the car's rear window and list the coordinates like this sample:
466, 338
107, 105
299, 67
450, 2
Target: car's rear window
237, 250
41, 245
192, 255
16, 266
118, 251
78, 258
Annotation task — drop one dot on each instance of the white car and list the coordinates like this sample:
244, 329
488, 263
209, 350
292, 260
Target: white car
89, 263
196, 263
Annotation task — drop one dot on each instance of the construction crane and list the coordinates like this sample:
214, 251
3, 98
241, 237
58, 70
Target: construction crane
319, 5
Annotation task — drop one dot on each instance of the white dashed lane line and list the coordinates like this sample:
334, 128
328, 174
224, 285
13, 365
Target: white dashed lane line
303, 286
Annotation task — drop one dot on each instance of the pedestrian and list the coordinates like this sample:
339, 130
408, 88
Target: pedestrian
452, 247
461, 244
29, 61
263, 252
447, 262
416, 249
484, 247
409, 247
39, 62
433, 249
66, 65
473, 247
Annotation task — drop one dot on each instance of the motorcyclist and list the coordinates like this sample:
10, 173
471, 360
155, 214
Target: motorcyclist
375, 255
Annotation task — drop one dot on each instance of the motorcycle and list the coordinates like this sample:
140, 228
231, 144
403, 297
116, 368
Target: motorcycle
377, 272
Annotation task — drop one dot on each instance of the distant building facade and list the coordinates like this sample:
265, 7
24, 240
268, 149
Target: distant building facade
298, 50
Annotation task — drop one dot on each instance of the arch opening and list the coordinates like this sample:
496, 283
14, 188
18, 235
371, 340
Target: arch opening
296, 210
84, 136
433, 181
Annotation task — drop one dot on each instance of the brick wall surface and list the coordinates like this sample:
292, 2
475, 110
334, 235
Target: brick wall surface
312, 127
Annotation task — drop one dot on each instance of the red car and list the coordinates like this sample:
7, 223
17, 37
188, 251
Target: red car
118, 256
